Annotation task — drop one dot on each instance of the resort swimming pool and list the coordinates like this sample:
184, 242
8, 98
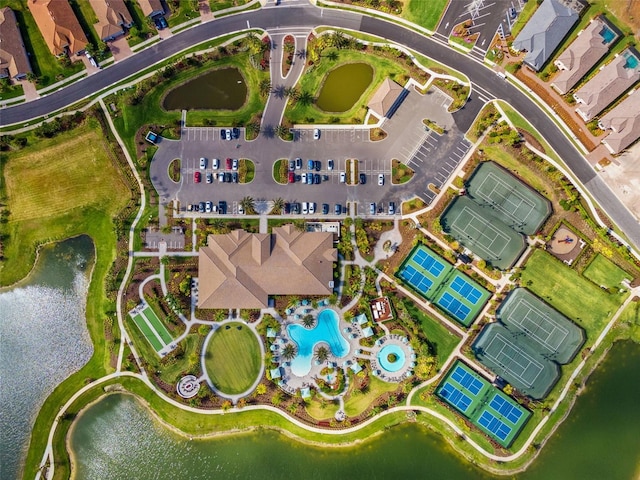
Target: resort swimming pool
396, 362
326, 330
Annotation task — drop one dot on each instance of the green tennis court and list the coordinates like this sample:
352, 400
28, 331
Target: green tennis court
476, 228
553, 334
488, 408
512, 356
513, 202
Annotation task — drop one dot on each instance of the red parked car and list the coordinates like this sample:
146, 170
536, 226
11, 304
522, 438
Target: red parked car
228, 164
196, 177
292, 177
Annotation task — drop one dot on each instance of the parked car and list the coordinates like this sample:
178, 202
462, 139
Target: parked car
372, 209
330, 164
380, 179
303, 178
392, 208
343, 177
227, 177
363, 178
295, 208
190, 207
215, 164
240, 209
325, 209
316, 133
196, 177
201, 207
325, 178
310, 164
222, 207
160, 22
235, 177
312, 208
292, 165
298, 163
228, 164
209, 177
309, 178
236, 133
287, 208
203, 163
316, 179
221, 177
292, 177
234, 164
208, 207
305, 208
337, 209
318, 165
229, 136
223, 134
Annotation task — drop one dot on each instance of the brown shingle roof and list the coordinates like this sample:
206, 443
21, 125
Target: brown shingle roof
241, 270
113, 17
583, 53
625, 123
13, 56
385, 97
58, 25
611, 82
150, 7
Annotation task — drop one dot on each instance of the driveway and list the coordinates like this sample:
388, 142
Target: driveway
120, 48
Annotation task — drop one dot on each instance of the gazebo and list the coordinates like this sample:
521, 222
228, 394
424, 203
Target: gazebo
387, 99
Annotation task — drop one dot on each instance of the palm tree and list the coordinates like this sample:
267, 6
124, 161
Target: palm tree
292, 92
281, 130
289, 351
306, 98
322, 354
308, 321
265, 87
332, 55
253, 128
278, 205
248, 204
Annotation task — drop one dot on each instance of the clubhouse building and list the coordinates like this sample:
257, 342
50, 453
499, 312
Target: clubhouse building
241, 269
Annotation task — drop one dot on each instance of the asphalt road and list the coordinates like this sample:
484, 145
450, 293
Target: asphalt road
309, 16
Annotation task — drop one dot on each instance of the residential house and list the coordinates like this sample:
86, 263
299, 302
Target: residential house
612, 81
14, 62
241, 269
113, 18
151, 8
584, 53
624, 123
59, 26
545, 30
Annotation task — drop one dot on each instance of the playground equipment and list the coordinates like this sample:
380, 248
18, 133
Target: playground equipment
568, 239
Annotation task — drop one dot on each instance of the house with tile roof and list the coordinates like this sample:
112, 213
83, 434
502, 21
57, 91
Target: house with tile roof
545, 30
589, 47
151, 8
624, 123
113, 18
241, 269
387, 98
59, 26
612, 81
14, 62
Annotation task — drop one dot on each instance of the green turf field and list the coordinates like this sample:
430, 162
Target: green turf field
603, 271
147, 332
157, 325
232, 358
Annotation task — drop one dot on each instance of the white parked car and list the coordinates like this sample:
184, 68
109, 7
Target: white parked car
234, 165
240, 209
203, 163
305, 208
316, 133
381, 179
312, 208
216, 164
343, 177
330, 165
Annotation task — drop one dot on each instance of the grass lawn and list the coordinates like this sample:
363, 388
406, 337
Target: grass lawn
224, 4
570, 293
140, 22
246, 170
527, 12
603, 271
280, 170
233, 358
316, 409
183, 13
147, 332
358, 403
442, 340
426, 14
157, 325
58, 188
44, 64
11, 91
313, 78
400, 173
87, 18
629, 321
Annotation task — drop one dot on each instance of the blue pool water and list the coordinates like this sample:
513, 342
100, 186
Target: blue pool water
383, 358
607, 35
326, 330
632, 61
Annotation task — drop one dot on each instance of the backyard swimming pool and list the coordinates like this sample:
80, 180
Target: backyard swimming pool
391, 358
326, 330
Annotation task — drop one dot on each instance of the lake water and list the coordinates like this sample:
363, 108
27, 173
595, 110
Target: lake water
116, 438
44, 340
344, 86
221, 89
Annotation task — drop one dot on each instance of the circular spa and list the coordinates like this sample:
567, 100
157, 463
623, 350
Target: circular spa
326, 330
391, 358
